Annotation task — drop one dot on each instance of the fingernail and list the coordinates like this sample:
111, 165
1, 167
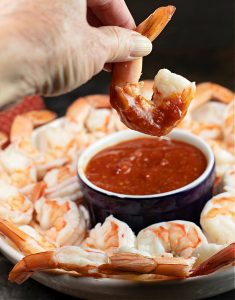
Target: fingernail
140, 46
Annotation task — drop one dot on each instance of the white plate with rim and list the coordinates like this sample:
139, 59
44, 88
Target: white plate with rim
118, 289
105, 288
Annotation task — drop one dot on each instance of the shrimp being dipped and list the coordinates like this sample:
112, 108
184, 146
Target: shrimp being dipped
25, 238
173, 238
172, 93
218, 219
110, 236
14, 206
70, 258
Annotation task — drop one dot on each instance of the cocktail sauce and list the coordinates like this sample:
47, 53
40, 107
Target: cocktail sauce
145, 166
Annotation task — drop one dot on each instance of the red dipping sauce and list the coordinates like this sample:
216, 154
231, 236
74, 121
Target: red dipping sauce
145, 166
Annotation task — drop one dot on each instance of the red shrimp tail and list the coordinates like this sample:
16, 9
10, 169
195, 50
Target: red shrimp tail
223, 258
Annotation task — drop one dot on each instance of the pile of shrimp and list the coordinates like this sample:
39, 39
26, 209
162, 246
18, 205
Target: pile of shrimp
42, 214
41, 204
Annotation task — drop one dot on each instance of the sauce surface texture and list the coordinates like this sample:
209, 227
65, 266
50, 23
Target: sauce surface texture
145, 166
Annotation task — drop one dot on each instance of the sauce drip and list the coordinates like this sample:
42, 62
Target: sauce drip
145, 166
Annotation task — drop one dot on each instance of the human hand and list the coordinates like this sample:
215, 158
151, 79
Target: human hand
52, 47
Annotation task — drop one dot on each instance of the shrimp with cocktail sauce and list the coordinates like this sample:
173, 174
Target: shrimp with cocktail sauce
172, 93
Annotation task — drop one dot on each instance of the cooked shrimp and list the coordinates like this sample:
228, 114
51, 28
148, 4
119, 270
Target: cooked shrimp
69, 258
62, 182
110, 236
58, 143
91, 262
80, 109
229, 126
179, 238
19, 168
92, 117
229, 180
207, 91
224, 159
136, 263
21, 128
3, 139
223, 258
21, 139
208, 132
14, 206
171, 93
40, 117
206, 120
218, 219
24, 124
61, 220
25, 238
205, 251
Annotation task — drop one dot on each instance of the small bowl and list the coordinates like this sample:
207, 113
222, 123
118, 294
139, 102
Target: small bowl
140, 211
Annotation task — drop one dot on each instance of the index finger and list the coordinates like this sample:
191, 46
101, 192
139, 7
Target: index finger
112, 12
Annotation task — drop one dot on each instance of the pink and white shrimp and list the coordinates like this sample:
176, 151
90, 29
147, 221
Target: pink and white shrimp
61, 220
22, 140
70, 258
19, 169
172, 93
57, 143
25, 238
175, 238
110, 236
218, 219
229, 125
62, 182
224, 158
229, 180
14, 206
96, 263
207, 91
91, 118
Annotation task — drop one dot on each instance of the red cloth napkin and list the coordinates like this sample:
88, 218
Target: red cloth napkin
27, 104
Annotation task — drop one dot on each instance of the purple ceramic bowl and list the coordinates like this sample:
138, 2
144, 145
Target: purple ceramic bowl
140, 211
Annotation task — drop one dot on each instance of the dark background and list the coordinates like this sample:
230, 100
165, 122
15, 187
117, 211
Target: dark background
198, 43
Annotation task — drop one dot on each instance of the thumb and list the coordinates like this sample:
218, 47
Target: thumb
122, 44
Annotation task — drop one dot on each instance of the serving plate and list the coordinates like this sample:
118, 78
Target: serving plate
91, 288
105, 288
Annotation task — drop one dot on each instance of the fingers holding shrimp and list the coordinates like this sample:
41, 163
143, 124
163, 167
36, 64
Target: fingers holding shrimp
172, 94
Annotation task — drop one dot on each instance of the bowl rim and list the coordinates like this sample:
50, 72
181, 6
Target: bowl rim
110, 140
